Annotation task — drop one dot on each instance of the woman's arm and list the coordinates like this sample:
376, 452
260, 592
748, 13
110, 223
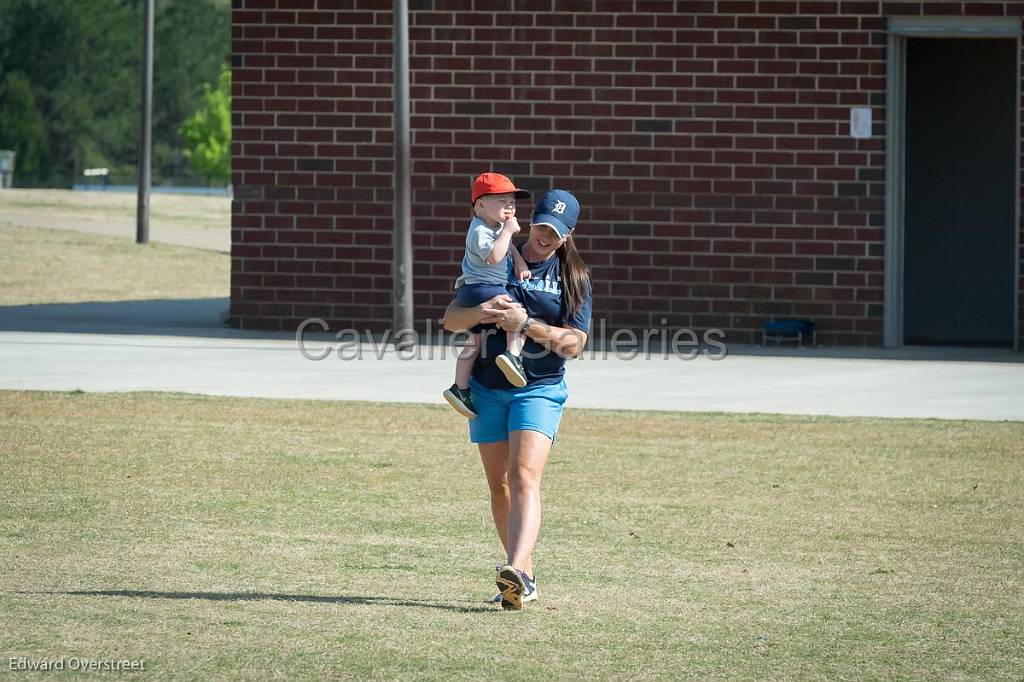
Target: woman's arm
568, 342
459, 319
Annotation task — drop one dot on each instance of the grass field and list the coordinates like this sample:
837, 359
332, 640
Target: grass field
55, 266
179, 210
220, 538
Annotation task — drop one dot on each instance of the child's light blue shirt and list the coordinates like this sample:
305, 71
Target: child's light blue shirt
479, 244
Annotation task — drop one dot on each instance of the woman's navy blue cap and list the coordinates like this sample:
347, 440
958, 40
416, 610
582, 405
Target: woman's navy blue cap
559, 209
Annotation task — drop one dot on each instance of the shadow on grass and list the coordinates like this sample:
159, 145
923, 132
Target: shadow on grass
261, 596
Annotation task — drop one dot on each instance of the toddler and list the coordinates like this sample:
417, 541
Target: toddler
485, 274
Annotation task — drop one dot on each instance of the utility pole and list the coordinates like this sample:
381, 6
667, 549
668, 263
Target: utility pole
146, 135
401, 268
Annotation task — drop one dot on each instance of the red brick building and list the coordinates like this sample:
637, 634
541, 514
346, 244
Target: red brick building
711, 144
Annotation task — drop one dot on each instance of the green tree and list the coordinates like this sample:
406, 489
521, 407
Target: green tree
22, 128
207, 133
192, 42
83, 60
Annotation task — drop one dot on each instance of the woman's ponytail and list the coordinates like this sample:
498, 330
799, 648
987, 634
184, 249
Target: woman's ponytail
575, 276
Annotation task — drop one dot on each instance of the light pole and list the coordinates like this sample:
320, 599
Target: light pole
401, 267
146, 137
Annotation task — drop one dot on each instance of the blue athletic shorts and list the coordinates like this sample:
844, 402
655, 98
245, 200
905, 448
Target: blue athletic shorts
531, 408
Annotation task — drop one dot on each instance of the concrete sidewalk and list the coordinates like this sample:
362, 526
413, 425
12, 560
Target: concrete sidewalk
198, 238
184, 346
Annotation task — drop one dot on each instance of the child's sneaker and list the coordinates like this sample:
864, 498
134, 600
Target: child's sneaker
461, 400
512, 367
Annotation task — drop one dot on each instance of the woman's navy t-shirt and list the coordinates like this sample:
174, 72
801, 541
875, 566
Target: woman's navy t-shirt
541, 295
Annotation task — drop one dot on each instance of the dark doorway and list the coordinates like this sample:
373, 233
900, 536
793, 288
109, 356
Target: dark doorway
961, 192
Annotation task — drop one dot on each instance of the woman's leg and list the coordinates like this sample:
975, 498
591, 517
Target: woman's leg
527, 454
495, 460
496, 466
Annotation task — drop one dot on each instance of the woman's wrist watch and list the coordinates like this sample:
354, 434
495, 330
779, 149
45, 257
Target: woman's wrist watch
526, 324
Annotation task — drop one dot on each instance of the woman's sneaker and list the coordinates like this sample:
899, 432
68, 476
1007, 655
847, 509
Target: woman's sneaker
461, 400
529, 595
512, 587
512, 367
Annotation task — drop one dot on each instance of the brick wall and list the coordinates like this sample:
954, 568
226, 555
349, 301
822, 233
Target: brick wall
707, 141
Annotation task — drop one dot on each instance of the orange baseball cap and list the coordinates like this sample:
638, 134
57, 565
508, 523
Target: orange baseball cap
495, 183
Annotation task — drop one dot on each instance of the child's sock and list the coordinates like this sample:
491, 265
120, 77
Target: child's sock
515, 342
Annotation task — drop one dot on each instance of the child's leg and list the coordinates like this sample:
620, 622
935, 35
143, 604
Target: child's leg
464, 364
515, 342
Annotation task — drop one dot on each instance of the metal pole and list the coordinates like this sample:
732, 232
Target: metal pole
146, 137
402, 264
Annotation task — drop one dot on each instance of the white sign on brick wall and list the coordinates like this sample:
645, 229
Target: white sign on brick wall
860, 123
